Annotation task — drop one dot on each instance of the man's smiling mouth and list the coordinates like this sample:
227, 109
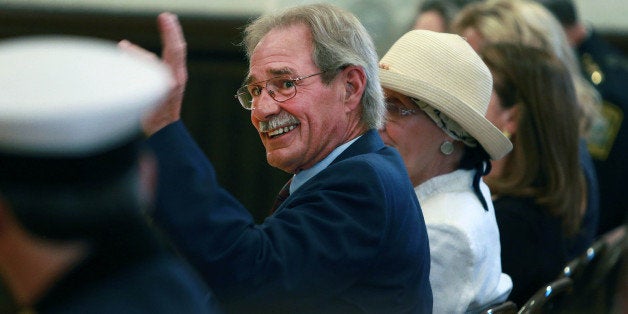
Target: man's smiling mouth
279, 125
282, 130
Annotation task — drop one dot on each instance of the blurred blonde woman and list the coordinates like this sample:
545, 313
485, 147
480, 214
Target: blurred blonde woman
529, 23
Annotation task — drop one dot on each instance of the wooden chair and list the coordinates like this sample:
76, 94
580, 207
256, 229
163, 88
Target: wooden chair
588, 283
582, 264
615, 243
549, 299
507, 307
595, 273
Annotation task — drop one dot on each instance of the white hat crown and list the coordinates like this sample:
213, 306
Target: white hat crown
445, 72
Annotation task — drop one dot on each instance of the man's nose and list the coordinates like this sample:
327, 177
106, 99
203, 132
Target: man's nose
265, 106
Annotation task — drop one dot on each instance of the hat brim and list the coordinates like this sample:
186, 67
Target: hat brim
491, 138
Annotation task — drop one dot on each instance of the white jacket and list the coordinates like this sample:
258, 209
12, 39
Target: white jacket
466, 268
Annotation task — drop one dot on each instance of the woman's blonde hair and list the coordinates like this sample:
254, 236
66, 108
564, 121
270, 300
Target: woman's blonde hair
544, 163
529, 23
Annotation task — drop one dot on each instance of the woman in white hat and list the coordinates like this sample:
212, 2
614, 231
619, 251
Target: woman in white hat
438, 90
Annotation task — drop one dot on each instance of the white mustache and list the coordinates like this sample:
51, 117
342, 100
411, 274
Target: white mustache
283, 119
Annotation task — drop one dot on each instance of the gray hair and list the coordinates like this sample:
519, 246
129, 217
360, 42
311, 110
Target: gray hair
339, 40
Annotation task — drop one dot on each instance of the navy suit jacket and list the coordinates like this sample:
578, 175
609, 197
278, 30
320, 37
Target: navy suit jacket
351, 239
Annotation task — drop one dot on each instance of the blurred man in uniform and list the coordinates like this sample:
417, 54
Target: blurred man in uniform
73, 235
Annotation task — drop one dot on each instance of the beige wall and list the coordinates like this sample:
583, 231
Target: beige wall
602, 13
386, 20
610, 15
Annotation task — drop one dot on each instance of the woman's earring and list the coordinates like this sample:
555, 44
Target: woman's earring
506, 134
447, 148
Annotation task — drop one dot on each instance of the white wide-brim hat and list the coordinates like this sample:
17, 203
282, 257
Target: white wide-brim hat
445, 72
67, 96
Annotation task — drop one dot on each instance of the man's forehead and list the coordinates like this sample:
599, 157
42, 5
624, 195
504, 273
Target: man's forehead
285, 50
269, 73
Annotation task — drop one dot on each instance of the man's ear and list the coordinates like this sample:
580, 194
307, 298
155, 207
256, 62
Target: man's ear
354, 85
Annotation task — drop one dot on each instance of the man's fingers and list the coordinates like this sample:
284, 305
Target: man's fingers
174, 45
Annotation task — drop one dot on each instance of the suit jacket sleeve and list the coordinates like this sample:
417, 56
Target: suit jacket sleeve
295, 254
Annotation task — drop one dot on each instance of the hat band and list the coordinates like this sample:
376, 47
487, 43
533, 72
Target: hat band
68, 171
449, 126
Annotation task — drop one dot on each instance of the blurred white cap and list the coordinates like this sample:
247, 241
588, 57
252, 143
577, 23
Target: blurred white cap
73, 96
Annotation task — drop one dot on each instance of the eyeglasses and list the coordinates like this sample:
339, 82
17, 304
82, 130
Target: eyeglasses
396, 111
279, 88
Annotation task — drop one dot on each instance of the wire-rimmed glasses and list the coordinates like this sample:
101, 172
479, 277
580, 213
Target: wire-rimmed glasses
398, 111
280, 88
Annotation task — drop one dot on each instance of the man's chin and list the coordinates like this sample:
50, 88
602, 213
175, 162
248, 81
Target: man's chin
276, 160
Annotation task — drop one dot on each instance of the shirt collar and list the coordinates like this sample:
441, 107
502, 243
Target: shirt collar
304, 175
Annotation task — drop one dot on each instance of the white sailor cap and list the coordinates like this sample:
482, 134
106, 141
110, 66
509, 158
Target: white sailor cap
71, 98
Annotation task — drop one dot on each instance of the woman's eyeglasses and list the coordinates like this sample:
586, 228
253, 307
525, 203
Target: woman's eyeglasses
396, 111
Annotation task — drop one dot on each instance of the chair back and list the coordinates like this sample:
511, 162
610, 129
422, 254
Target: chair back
595, 274
507, 307
581, 266
549, 299
589, 282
